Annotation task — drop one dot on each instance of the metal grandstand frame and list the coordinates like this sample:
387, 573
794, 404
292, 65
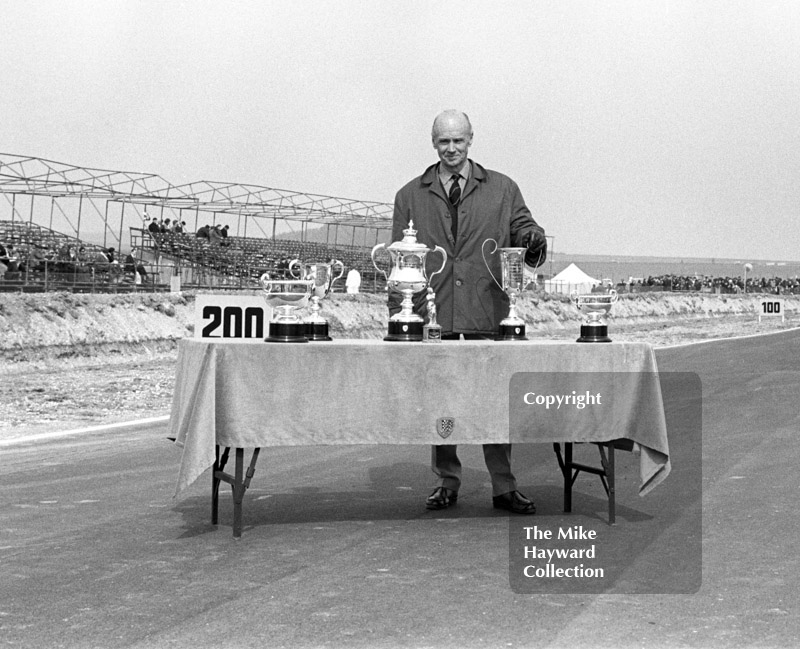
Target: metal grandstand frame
100, 206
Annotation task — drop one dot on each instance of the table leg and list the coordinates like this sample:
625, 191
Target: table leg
571, 469
612, 506
238, 493
219, 465
565, 464
239, 481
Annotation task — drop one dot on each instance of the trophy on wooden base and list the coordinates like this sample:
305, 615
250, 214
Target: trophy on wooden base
407, 275
284, 296
595, 306
512, 267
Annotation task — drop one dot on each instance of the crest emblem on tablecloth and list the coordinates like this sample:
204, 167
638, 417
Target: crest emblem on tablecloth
445, 426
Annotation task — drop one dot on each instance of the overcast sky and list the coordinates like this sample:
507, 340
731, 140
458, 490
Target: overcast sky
633, 128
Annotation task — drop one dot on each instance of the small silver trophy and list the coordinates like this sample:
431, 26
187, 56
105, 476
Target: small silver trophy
283, 296
432, 330
322, 277
512, 266
595, 306
407, 275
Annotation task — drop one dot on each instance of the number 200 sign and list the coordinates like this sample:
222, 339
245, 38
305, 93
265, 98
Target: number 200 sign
230, 318
771, 307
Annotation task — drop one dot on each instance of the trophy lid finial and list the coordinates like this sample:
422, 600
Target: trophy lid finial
409, 243
410, 234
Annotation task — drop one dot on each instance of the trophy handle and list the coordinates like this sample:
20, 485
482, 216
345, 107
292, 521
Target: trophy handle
292, 264
483, 253
340, 265
372, 256
263, 280
614, 295
444, 261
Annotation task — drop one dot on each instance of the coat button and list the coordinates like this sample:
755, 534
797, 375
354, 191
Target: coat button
459, 282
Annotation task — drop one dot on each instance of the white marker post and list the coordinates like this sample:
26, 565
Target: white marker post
771, 307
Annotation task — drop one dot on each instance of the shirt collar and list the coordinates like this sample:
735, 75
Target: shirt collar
444, 176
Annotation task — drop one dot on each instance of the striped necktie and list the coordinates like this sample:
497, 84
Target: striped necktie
454, 196
455, 190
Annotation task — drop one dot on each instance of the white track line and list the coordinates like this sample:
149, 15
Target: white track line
715, 340
81, 431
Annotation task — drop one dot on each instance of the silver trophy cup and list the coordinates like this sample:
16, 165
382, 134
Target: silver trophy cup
322, 276
595, 306
513, 282
407, 275
285, 297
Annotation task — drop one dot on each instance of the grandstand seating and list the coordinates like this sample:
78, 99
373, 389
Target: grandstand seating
51, 260
241, 261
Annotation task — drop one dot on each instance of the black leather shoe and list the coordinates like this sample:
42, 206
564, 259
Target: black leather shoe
514, 502
441, 498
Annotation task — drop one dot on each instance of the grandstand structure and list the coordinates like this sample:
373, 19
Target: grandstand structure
87, 229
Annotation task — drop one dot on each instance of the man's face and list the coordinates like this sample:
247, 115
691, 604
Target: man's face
452, 139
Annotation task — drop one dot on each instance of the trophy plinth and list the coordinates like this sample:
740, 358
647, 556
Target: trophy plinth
512, 332
316, 331
594, 333
322, 277
512, 267
284, 297
407, 276
287, 332
400, 331
595, 306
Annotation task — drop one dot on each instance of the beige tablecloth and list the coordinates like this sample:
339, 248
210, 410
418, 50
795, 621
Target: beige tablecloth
257, 394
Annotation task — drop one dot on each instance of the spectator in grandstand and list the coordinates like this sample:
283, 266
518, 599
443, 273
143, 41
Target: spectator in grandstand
166, 227
110, 254
38, 257
8, 258
135, 268
223, 233
154, 228
353, 281
457, 204
214, 235
202, 233
179, 227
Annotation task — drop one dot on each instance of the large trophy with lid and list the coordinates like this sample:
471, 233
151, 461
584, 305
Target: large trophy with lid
513, 282
407, 275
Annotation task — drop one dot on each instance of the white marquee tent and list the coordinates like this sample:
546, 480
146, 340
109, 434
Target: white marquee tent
570, 279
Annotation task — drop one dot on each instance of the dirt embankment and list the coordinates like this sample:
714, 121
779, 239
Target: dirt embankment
63, 325
79, 360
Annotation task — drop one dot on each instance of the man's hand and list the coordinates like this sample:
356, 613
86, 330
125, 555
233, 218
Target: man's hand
536, 243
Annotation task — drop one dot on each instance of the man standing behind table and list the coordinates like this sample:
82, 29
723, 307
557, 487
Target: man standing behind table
457, 204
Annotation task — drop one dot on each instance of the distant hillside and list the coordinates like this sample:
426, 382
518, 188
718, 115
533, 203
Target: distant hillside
343, 235
615, 267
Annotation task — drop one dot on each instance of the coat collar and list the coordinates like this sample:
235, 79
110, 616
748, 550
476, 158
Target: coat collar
430, 178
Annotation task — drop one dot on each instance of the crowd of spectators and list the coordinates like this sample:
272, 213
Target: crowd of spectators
770, 285
57, 257
163, 226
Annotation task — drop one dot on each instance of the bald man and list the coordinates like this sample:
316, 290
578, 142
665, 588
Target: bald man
457, 204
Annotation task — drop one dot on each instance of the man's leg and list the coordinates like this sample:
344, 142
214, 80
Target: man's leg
446, 465
498, 461
504, 485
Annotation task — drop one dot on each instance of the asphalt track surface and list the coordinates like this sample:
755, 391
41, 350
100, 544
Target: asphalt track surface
338, 550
